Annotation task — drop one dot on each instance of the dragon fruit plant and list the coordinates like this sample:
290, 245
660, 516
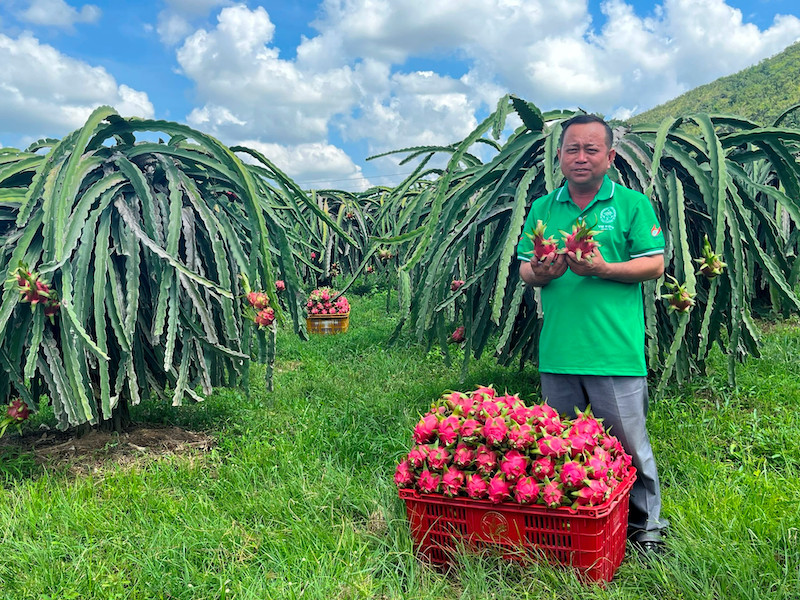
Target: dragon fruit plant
485, 445
710, 263
581, 240
259, 311
680, 299
326, 301
16, 413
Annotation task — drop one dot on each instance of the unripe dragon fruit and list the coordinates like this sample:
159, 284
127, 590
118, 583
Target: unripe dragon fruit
711, 264
542, 246
513, 465
463, 456
404, 475
426, 428
429, 482
452, 481
526, 491
477, 487
499, 488
580, 240
680, 299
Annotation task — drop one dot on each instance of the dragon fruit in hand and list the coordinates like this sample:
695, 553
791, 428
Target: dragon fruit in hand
581, 240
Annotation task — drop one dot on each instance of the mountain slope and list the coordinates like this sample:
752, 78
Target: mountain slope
759, 93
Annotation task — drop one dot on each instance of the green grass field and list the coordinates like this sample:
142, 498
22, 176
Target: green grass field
297, 499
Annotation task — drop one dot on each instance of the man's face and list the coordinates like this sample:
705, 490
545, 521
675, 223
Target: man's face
584, 156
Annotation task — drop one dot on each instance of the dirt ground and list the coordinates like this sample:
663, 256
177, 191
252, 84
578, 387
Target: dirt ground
99, 450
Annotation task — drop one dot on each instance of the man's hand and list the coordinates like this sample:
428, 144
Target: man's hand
593, 265
539, 273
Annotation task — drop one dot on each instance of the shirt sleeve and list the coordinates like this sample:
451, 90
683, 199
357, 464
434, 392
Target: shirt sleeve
645, 234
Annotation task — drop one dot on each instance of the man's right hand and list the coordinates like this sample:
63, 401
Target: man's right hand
539, 273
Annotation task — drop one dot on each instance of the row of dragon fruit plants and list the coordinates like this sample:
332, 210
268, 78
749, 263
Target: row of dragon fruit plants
147, 249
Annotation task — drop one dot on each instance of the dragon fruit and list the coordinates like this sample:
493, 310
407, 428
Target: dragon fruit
513, 465
572, 473
455, 284
476, 486
438, 458
542, 246
265, 318
429, 482
526, 491
499, 488
18, 411
458, 335
404, 475
711, 264
425, 429
680, 299
463, 456
482, 444
580, 240
552, 494
448, 429
452, 481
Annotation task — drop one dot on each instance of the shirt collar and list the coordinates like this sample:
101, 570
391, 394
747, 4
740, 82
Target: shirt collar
605, 192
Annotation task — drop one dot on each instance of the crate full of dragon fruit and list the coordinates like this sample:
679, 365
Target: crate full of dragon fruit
486, 470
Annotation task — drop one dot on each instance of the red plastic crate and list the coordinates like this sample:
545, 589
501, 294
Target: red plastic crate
590, 539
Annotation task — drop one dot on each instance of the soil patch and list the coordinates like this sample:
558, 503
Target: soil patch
99, 450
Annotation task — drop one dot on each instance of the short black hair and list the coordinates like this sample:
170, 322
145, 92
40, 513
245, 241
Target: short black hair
582, 120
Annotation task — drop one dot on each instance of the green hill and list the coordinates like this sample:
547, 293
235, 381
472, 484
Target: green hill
759, 93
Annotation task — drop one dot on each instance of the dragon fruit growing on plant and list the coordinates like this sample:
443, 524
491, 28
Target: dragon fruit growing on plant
710, 263
490, 446
680, 299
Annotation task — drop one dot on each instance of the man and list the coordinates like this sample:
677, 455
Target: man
591, 348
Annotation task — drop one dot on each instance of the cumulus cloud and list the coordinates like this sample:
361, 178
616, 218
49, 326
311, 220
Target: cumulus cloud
313, 166
47, 93
57, 13
176, 21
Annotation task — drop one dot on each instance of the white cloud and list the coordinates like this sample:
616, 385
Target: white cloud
47, 93
57, 13
175, 22
313, 166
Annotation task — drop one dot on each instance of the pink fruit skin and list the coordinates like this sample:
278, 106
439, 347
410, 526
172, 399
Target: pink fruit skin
477, 487
499, 489
403, 475
521, 437
486, 460
553, 446
463, 456
572, 473
526, 491
18, 410
448, 430
438, 458
426, 428
452, 481
495, 430
552, 494
543, 467
470, 427
417, 456
428, 482
513, 465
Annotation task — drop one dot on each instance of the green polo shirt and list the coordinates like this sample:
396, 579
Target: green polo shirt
593, 326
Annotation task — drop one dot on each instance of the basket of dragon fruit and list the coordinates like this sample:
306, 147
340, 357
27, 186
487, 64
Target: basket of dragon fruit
488, 472
327, 312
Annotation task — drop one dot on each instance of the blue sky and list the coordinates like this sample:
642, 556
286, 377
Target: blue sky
319, 86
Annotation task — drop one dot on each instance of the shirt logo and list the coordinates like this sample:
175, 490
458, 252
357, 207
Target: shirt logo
655, 230
608, 215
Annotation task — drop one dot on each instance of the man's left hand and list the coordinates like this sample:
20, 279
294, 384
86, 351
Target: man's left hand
593, 265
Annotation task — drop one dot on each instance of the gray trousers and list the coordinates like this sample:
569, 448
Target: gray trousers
621, 402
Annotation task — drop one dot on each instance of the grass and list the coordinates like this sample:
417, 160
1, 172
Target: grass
297, 499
